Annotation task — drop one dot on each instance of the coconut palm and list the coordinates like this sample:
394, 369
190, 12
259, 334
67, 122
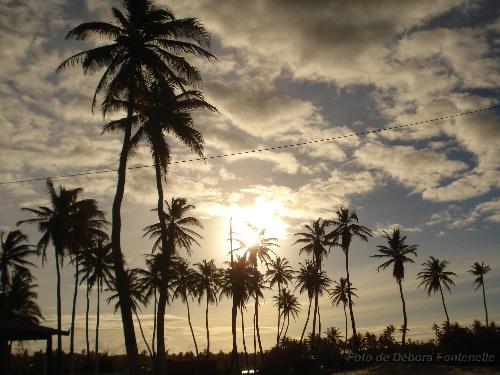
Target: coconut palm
338, 294
14, 251
397, 253
97, 270
145, 42
279, 273
207, 284
58, 224
306, 283
434, 276
184, 287
345, 229
288, 304
479, 270
181, 234
18, 300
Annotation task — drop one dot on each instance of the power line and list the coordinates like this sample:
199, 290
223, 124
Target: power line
260, 149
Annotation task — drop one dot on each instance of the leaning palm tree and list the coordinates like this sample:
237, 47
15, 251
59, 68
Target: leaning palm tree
98, 271
479, 270
14, 251
206, 281
288, 304
184, 287
145, 42
279, 273
181, 233
338, 294
434, 276
397, 253
57, 223
345, 228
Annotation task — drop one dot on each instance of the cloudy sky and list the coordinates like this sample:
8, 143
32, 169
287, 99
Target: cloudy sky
288, 72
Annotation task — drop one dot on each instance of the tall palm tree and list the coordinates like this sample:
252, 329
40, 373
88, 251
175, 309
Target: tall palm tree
345, 228
397, 253
434, 276
145, 41
58, 223
206, 281
338, 294
479, 270
280, 273
184, 287
306, 283
14, 251
98, 270
288, 304
181, 233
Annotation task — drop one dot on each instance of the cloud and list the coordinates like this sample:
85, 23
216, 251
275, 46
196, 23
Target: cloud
380, 228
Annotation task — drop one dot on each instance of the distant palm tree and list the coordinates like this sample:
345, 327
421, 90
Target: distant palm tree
184, 287
58, 224
146, 42
181, 234
279, 273
333, 336
14, 251
306, 283
338, 294
397, 253
97, 269
288, 304
18, 300
434, 276
345, 228
207, 280
479, 270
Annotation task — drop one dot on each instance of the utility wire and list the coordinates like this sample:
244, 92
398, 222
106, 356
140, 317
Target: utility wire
424, 122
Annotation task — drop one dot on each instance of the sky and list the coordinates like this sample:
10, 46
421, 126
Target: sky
287, 72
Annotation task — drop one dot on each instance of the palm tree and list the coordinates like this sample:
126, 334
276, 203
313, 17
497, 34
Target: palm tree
434, 276
184, 287
58, 224
279, 273
206, 281
146, 41
338, 295
98, 270
17, 301
479, 270
181, 235
315, 242
288, 304
305, 281
397, 252
14, 251
345, 228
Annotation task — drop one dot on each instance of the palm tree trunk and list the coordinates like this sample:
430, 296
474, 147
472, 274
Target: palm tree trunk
191, 328
143, 336
206, 326
234, 354
257, 324
315, 314
485, 308
282, 327
154, 325
58, 251
279, 316
160, 329
287, 324
87, 324
353, 322
254, 344
121, 277
405, 319
243, 337
73, 311
345, 314
96, 363
307, 319
319, 325
444, 305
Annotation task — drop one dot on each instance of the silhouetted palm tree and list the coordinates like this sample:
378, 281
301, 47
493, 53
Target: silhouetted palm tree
146, 42
479, 270
206, 281
434, 276
397, 253
184, 287
345, 228
288, 304
18, 300
338, 294
58, 224
306, 283
181, 235
13, 255
97, 269
279, 273
333, 336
